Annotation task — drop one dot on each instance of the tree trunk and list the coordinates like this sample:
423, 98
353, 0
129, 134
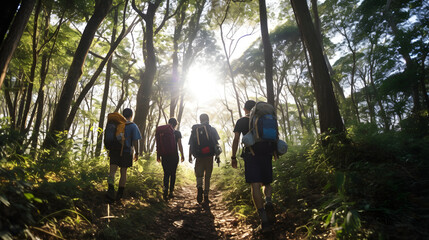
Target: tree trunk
411, 66
9, 45
422, 81
268, 52
7, 12
90, 84
106, 87
148, 75
35, 54
175, 86
75, 72
329, 114
363, 75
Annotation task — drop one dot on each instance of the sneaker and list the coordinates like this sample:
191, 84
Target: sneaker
269, 209
200, 195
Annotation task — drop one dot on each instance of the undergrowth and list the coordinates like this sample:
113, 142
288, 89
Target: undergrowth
372, 186
60, 194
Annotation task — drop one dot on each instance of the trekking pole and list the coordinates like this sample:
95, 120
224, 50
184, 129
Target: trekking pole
218, 160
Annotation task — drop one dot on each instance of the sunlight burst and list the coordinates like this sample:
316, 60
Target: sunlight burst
203, 85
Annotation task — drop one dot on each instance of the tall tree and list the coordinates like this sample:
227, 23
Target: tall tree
268, 52
102, 7
175, 86
15, 32
147, 75
7, 13
406, 38
329, 114
232, 18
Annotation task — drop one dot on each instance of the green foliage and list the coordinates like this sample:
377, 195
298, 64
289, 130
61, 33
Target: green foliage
371, 186
16, 197
63, 196
237, 193
16, 202
10, 140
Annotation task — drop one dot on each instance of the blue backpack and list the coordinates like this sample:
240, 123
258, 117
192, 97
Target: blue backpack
263, 128
262, 125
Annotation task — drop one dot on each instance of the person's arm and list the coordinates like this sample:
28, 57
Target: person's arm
136, 141
158, 157
136, 144
190, 155
234, 149
179, 143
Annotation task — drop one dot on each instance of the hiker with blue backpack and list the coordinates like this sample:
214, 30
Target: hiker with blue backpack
260, 140
121, 139
168, 141
203, 145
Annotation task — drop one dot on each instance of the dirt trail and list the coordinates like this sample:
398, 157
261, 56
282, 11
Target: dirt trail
186, 219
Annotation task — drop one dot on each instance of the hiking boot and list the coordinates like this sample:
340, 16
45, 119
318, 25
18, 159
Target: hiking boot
269, 209
165, 196
200, 195
110, 193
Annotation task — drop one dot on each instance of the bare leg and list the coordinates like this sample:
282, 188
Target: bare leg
268, 191
257, 195
112, 173
259, 201
123, 178
111, 181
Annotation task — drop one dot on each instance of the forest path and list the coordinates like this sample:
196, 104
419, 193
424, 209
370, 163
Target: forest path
184, 218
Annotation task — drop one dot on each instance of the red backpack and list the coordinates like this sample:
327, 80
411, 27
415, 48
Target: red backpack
165, 140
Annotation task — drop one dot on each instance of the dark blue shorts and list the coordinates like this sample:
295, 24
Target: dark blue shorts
126, 160
258, 168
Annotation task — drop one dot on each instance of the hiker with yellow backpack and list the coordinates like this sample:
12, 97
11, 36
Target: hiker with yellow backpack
121, 139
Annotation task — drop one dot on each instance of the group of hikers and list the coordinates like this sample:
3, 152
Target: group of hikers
122, 142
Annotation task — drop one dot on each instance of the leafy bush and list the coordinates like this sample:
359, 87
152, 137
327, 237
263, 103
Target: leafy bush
16, 197
237, 194
16, 203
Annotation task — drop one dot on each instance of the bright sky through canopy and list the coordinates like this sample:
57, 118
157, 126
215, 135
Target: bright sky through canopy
203, 85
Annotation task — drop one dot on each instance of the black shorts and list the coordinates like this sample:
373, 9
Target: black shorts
258, 168
169, 164
124, 161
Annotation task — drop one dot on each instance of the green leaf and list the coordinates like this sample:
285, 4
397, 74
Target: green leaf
29, 196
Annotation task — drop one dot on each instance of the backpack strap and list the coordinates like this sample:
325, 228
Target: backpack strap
207, 133
250, 129
123, 139
198, 136
256, 127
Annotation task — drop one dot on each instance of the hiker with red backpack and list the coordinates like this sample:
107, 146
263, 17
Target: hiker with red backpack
258, 156
203, 145
121, 139
168, 140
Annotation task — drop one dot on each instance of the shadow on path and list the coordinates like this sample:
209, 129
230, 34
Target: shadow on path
186, 219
